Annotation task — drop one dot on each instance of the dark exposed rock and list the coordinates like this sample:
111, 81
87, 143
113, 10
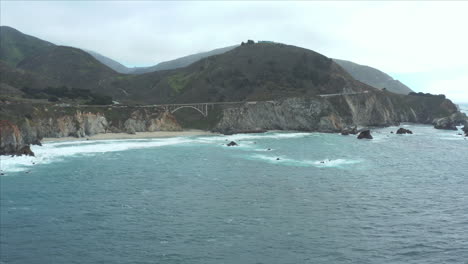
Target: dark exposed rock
349, 130
444, 123
451, 122
465, 129
36, 142
26, 150
365, 134
232, 144
404, 131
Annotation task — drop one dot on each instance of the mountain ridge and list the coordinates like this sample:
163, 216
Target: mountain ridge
27, 46
373, 77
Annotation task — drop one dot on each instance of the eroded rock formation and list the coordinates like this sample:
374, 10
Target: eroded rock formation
47, 121
404, 131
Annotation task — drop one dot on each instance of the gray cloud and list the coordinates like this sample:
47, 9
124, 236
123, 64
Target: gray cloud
419, 38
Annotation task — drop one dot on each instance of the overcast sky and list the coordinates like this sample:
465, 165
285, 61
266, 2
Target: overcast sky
423, 44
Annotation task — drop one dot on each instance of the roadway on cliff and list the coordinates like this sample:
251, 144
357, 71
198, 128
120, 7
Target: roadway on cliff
202, 108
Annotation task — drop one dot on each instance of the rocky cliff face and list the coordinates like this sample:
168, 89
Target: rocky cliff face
51, 121
29, 123
11, 140
332, 114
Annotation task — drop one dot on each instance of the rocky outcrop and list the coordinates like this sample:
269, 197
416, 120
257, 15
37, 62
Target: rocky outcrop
465, 129
48, 121
332, 114
404, 131
349, 130
11, 140
232, 144
365, 135
451, 122
444, 123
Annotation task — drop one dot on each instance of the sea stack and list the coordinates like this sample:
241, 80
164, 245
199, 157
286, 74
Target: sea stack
232, 144
404, 131
365, 135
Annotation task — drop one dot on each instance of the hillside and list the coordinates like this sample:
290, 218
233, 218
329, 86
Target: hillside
69, 66
180, 62
373, 77
249, 72
116, 66
12, 80
16, 46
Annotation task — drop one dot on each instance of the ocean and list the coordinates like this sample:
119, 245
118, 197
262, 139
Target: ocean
278, 197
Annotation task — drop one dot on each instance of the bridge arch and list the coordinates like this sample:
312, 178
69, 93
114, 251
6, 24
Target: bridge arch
203, 110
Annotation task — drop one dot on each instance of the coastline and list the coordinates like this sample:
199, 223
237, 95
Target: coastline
137, 135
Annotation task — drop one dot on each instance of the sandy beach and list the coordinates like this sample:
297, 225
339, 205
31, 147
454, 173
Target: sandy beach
138, 135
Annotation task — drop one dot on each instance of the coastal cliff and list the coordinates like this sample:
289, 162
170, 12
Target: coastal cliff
28, 124
333, 114
40, 121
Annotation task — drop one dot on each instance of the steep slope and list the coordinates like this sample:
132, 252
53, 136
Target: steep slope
373, 77
116, 66
69, 66
16, 46
12, 80
334, 114
251, 72
181, 62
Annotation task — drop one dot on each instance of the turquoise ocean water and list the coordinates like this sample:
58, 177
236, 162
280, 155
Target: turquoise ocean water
328, 199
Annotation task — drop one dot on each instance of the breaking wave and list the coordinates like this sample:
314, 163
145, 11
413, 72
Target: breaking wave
56, 151
281, 160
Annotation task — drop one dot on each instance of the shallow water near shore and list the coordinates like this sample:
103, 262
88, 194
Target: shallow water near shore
278, 197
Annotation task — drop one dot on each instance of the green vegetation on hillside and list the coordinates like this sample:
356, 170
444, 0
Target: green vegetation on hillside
55, 94
178, 81
16, 46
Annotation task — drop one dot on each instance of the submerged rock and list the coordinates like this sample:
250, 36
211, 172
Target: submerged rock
365, 135
404, 131
232, 144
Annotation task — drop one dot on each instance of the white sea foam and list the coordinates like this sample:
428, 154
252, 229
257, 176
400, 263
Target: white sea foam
51, 152
274, 135
325, 163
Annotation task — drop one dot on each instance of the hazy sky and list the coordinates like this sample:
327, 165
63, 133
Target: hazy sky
423, 44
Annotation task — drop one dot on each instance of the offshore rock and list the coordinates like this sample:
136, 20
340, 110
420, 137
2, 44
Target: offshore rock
465, 129
365, 135
232, 144
404, 131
